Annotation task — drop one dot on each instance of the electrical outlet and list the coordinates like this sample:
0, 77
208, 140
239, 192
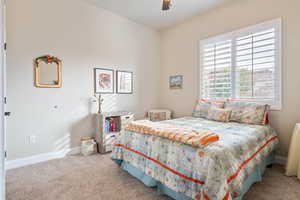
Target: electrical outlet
32, 139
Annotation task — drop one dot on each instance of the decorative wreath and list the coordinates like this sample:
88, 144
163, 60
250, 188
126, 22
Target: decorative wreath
48, 59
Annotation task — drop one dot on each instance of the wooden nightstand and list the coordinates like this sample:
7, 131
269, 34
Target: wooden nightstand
108, 126
293, 165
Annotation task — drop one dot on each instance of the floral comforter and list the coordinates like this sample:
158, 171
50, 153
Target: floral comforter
213, 172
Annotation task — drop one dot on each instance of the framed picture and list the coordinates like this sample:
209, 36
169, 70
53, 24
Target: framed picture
175, 82
103, 81
124, 82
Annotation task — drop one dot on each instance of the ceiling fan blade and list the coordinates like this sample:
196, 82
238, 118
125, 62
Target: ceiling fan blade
166, 4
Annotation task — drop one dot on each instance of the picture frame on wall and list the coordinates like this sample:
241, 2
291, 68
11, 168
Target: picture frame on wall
103, 81
175, 82
124, 82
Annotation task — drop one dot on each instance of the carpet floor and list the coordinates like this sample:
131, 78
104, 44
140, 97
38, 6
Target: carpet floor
98, 178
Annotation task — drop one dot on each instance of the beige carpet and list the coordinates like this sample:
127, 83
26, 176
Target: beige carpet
98, 178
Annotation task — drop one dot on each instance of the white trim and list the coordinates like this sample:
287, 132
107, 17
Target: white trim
280, 160
243, 31
278, 57
276, 103
2, 95
11, 164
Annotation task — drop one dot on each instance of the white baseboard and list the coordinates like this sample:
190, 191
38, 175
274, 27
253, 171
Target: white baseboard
280, 160
12, 164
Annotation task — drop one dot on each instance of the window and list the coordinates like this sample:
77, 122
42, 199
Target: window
243, 65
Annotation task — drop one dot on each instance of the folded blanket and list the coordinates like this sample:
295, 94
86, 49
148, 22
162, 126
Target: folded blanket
191, 137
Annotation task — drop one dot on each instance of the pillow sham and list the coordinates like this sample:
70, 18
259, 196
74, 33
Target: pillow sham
202, 107
214, 101
219, 114
247, 112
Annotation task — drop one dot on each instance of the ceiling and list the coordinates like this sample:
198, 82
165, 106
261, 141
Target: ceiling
149, 12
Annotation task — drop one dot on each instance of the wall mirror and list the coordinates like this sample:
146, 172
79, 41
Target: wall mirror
47, 72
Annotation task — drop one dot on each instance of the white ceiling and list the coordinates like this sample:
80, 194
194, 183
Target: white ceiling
149, 12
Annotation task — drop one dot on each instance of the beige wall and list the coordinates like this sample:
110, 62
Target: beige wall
180, 56
84, 37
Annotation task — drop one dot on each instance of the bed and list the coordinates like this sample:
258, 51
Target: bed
222, 170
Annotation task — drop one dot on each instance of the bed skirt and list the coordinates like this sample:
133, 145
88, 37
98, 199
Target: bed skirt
256, 176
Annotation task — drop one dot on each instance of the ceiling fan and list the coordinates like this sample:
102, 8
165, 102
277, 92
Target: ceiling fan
166, 4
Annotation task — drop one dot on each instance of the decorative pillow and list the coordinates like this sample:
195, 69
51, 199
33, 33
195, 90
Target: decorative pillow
247, 112
214, 101
219, 114
202, 107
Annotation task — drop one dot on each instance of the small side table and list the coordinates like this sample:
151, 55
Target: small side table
293, 165
156, 115
108, 127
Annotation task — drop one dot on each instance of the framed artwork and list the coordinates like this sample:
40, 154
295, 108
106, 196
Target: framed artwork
175, 82
103, 81
124, 82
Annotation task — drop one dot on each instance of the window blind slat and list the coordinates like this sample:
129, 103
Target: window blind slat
258, 52
257, 35
255, 58
260, 46
263, 41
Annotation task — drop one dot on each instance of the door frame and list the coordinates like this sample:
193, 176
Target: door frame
2, 96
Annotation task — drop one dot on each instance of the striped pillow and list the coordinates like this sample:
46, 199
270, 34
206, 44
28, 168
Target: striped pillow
247, 112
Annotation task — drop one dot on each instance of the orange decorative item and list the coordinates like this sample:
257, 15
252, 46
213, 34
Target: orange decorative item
47, 72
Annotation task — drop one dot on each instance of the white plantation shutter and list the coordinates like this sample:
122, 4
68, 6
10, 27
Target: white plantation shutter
255, 63
243, 65
217, 70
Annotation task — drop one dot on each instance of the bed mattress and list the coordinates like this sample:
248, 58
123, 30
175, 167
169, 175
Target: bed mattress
217, 171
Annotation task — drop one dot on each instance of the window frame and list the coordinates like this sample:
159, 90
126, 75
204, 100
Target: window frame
276, 102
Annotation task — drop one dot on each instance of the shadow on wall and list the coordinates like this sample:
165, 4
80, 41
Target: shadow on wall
109, 103
62, 146
84, 127
79, 129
